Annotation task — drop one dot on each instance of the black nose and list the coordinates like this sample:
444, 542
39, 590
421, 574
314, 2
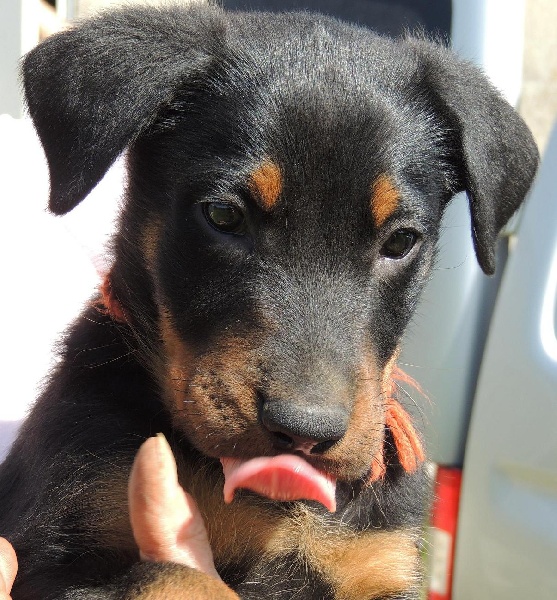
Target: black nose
311, 429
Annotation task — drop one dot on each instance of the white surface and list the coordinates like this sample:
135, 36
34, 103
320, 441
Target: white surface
490, 33
507, 536
49, 265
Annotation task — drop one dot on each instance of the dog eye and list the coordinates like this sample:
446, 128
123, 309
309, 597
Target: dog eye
399, 244
225, 217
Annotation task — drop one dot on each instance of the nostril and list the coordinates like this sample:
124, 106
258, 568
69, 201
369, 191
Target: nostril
283, 441
322, 447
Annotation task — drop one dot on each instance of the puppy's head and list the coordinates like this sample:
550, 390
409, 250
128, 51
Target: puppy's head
287, 177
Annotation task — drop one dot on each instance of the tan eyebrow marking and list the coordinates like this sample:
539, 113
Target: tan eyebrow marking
266, 184
384, 199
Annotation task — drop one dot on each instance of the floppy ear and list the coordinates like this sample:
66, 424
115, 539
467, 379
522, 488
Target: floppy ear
496, 156
92, 90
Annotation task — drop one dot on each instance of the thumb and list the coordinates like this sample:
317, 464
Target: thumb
166, 522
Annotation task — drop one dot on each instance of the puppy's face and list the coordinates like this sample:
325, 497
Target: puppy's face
287, 176
285, 270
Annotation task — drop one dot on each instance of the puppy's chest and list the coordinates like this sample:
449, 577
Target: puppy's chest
300, 555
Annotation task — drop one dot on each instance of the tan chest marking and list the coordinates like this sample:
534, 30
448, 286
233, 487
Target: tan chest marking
368, 565
167, 581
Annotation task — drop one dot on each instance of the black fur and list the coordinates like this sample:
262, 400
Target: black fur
200, 98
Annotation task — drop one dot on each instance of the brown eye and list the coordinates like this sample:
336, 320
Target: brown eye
225, 217
399, 244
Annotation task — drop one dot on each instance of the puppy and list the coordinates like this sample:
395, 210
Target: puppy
287, 175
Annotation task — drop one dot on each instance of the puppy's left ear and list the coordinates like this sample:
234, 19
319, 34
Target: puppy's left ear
495, 154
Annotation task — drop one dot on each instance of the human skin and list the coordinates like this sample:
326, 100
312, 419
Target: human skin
8, 568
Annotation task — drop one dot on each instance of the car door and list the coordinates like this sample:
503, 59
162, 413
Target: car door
507, 528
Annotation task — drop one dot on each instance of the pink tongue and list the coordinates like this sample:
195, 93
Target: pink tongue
285, 477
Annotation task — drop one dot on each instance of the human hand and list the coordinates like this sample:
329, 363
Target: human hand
166, 522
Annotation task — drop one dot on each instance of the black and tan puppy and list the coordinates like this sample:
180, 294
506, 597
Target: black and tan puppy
287, 175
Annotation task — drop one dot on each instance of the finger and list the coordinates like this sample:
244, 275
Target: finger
166, 522
8, 568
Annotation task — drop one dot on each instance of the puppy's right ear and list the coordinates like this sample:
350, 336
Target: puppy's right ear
93, 90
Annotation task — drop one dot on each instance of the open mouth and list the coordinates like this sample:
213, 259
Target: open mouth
283, 478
